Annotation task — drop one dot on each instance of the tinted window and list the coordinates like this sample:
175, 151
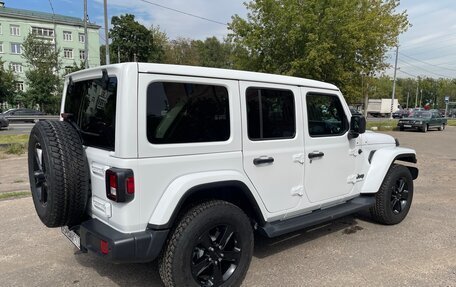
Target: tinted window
270, 114
92, 104
326, 116
185, 113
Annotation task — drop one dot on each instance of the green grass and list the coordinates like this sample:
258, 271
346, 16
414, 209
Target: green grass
13, 144
14, 194
452, 123
386, 125
10, 139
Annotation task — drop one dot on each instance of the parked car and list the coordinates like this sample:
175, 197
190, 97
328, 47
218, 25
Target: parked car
23, 112
399, 114
12, 114
4, 122
182, 164
423, 120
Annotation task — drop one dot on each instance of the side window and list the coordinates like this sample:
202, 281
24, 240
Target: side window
187, 113
326, 116
270, 114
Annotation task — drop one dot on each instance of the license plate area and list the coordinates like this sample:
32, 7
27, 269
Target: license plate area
72, 236
407, 126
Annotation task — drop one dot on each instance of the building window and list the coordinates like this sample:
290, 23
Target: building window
82, 38
82, 55
43, 32
16, 48
16, 67
20, 86
68, 53
1, 48
67, 36
68, 69
15, 30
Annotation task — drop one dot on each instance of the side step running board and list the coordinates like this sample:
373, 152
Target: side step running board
277, 228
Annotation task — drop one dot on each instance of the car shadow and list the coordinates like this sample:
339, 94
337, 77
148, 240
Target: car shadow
147, 274
134, 274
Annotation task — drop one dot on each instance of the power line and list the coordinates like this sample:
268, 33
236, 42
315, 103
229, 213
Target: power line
185, 13
403, 72
437, 74
426, 63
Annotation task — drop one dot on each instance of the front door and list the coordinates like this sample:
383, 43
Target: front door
330, 156
273, 142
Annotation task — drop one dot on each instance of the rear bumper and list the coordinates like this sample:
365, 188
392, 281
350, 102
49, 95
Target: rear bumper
122, 247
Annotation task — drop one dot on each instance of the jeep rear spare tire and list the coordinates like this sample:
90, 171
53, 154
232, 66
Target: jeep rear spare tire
58, 173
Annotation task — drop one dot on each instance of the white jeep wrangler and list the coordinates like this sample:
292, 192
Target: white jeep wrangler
184, 163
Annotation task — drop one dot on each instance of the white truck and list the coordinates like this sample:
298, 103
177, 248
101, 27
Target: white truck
185, 163
381, 107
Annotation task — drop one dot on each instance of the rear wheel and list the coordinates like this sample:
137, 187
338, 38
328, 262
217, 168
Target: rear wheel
442, 127
394, 198
211, 245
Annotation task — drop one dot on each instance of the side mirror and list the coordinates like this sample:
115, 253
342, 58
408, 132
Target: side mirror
357, 126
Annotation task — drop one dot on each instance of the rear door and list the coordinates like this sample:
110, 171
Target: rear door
273, 142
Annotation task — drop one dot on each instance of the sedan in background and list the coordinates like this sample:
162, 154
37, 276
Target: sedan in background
399, 114
4, 123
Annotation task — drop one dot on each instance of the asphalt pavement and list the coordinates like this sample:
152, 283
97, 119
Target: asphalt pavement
352, 251
17, 129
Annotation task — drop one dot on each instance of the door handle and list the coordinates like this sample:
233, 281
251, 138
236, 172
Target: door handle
316, 154
263, 160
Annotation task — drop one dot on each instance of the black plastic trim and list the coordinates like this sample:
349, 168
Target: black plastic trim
277, 228
408, 157
208, 186
123, 247
371, 155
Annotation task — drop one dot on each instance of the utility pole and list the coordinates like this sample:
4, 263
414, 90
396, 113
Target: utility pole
86, 37
106, 31
417, 91
394, 82
421, 98
408, 95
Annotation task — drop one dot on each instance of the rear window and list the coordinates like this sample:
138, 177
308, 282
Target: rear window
92, 104
187, 113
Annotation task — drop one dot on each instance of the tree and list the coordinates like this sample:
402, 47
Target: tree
7, 84
43, 80
130, 40
214, 53
331, 40
182, 51
159, 41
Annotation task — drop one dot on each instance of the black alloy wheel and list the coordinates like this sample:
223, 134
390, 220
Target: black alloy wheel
216, 256
40, 176
399, 195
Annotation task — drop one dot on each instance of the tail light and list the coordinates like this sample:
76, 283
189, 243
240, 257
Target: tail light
120, 184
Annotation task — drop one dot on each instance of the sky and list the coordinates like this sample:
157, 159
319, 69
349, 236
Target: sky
427, 49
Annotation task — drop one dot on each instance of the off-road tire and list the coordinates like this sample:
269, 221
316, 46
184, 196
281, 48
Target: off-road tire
175, 260
66, 173
382, 211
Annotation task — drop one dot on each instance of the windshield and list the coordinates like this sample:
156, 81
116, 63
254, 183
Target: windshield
420, 114
92, 105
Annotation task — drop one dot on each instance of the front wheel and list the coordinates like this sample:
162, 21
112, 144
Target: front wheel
394, 198
211, 245
424, 128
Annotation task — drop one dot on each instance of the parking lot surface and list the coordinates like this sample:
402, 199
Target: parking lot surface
352, 251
